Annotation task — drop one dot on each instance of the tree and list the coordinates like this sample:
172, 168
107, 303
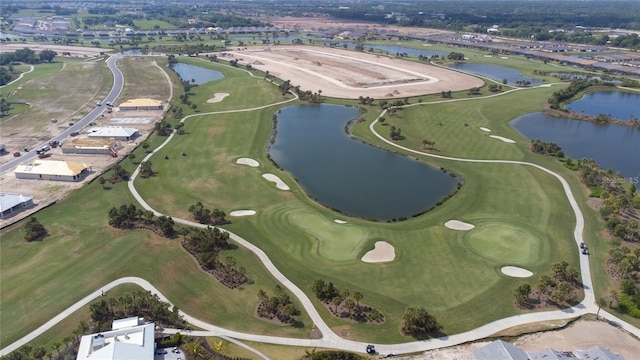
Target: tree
39, 352
419, 323
47, 55
521, 294
262, 295
5, 107
132, 157
102, 181
145, 146
601, 302
357, 296
336, 301
34, 230
350, 304
200, 213
145, 169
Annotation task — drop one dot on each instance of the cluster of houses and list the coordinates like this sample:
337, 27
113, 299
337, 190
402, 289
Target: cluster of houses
105, 140
502, 350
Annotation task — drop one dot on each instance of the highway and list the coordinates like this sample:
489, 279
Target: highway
116, 89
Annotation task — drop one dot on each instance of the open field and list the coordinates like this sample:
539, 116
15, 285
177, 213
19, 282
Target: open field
435, 267
347, 74
74, 51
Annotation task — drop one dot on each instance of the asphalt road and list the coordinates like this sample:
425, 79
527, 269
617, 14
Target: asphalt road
118, 83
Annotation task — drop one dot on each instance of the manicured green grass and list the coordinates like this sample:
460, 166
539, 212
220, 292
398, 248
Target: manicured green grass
433, 268
504, 242
152, 24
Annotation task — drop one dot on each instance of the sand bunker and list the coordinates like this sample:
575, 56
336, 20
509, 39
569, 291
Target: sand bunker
458, 225
248, 161
338, 221
485, 129
242, 213
217, 97
382, 252
507, 140
279, 183
516, 272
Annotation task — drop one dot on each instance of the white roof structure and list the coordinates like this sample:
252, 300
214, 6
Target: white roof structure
551, 354
112, 132
500, 350
128, 340
53, 167
8, 201
598, 353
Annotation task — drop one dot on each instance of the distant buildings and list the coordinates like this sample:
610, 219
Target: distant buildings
502, 350
128, 338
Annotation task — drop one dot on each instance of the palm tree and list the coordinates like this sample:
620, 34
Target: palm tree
358, 296
336, 301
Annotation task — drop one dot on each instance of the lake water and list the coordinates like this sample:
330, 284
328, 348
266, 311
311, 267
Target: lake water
621, 105
611, 146
348, 175
201, 75
393, 49
497, 73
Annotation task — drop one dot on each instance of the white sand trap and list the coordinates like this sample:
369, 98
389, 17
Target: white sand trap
382, 252
248, 161
516, 272
242, 213
338, 221
279, 183
459, 225
217, 97
485, 129
507, 140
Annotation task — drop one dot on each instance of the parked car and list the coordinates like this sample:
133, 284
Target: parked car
16, 154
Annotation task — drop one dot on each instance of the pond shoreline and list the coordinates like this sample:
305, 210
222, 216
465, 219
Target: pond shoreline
585, 117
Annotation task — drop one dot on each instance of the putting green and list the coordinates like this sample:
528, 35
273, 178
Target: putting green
504, 243
334, 241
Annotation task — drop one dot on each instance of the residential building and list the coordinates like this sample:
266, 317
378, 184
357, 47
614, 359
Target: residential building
128, 338
55, 170
113, 132
502, 350
10, 204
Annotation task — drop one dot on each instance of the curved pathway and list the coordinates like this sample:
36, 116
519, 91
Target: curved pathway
330, 339
31, 67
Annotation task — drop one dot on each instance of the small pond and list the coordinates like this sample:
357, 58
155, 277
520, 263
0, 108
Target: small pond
348, 175
611, 146
497, 73
621, 105
188, 72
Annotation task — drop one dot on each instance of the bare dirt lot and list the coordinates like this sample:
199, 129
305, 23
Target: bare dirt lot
320, 23
581, 335
348, 74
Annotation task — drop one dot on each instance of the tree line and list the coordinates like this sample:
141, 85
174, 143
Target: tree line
345, 304
206, 245
557, 289
130, 217
27, 56
278, 306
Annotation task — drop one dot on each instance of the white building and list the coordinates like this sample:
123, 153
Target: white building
113, 132
129, 338
55, 170
13, 203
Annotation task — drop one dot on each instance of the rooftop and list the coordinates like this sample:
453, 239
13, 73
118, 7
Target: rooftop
53, 167
112, 131
8, 201
129, 339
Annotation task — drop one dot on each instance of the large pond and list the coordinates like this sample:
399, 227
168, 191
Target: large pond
621, 105
497, 73
611, 146
391, 49
188, 72
348, 175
